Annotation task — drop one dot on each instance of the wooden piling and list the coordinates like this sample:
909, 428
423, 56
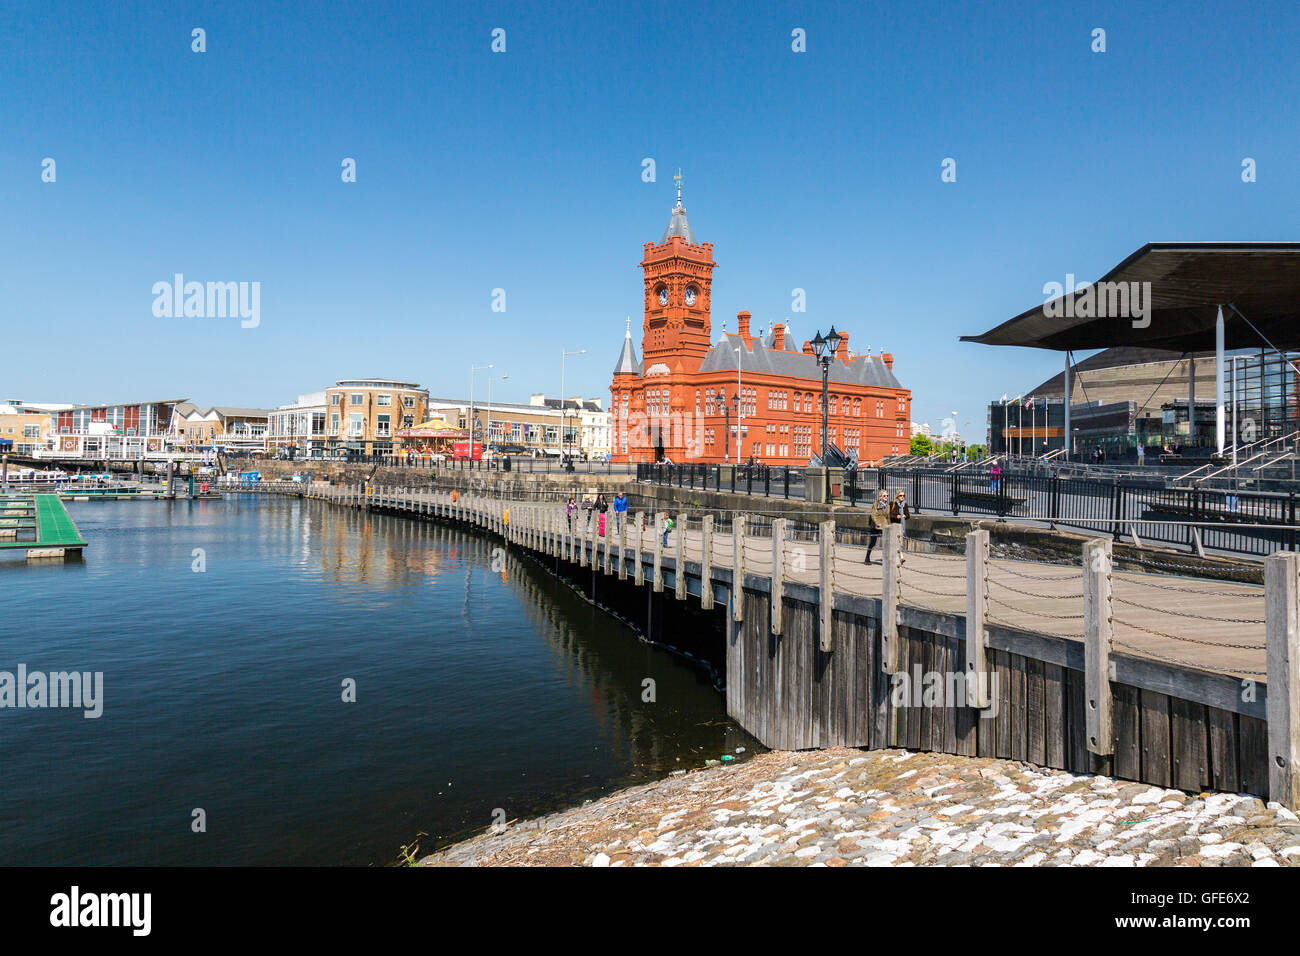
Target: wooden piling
1282, 630
977, 612
661, 519
778, 574
737, 601
1098, 617
890, 584
826, 586
706, 562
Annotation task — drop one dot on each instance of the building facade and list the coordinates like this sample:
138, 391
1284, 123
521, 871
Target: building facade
588, 426
222, 426
746, 395
27, 429
298, 429
127, 430
512, 428
363, 415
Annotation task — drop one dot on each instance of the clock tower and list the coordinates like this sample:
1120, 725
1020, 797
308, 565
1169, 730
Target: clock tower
678, 275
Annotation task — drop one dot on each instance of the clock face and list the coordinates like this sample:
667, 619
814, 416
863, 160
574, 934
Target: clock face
690, 296
663, 296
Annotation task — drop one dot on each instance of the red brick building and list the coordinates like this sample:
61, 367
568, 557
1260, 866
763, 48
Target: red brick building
681, 400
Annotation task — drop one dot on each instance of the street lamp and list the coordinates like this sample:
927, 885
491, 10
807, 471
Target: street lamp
487, 434
825, 349
563, 401
472, 370
739, 406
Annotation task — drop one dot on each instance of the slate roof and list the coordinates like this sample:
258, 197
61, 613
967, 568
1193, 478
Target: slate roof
627, 360
861, 370
678, 226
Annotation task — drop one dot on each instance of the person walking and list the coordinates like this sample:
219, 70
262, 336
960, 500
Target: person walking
1142, 455
620, 509
602, 506
899, 512
879, 518
995, 477
668, 526
569, 511
586, 508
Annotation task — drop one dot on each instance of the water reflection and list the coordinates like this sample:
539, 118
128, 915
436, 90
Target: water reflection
483, 683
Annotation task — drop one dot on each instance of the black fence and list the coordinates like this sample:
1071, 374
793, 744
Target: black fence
770, 481
506, 463
1220, 520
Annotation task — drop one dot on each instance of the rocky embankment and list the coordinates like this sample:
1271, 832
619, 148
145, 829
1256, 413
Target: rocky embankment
880, 808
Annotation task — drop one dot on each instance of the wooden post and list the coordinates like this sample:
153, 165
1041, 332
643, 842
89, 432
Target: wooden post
706, 562
777, 594
660, 520
679, 580
891, 579
1098, 615
605, 543
622, 547
737, 601
638, 572
1282, 641
977, 614
826, 584
592, 526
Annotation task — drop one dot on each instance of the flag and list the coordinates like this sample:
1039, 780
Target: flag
1004, 398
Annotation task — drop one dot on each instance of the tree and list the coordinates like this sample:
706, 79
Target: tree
921, 445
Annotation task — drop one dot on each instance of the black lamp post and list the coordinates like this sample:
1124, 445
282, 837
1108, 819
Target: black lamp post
825, 349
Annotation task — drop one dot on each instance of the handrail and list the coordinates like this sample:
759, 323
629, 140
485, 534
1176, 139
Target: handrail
1282, 457
1208, 464
1230, 467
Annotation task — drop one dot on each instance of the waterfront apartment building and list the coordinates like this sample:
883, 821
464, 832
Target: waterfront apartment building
125, 430
220, 426
298, 429
26, 429
352, 416
363, 414
747, 395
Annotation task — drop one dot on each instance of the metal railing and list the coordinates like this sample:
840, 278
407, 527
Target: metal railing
1200, 519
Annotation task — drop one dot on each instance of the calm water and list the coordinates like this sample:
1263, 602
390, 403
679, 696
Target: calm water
476, 689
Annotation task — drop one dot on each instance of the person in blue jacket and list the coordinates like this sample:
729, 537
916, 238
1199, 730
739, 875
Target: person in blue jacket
620, 509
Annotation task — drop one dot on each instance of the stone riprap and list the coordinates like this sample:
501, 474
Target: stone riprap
848, 807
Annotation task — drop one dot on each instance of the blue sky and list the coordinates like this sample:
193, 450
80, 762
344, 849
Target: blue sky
522, 171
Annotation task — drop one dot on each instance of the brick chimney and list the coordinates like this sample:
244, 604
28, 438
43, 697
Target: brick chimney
807, 348
842, 353
888, 359
778, 337
743, 318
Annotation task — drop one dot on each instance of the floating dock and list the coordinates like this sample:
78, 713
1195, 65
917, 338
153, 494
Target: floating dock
40, 525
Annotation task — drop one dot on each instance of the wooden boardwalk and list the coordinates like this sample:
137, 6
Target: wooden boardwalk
1159, 678
1214, 626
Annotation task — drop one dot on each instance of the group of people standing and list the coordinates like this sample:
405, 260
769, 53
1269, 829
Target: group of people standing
885, 512
598, 507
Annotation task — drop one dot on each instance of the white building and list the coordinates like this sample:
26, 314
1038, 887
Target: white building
594, 426
299, 425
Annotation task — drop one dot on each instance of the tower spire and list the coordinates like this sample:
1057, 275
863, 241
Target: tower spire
678, 177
